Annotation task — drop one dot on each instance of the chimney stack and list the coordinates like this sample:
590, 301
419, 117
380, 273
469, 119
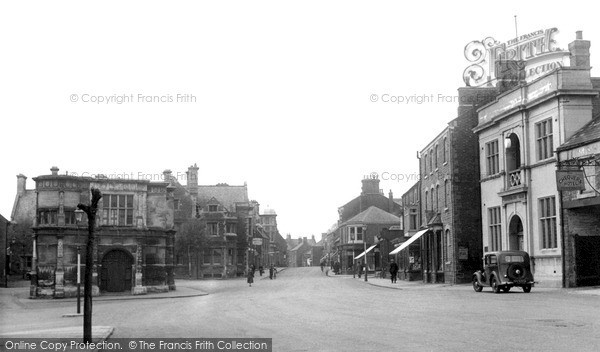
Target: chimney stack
391, 202
370, 185
21, 184
192, 178
54, 170
509, 73
167, 175
304, 240
580, 51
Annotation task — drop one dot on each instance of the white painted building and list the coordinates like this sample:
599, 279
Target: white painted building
518, 135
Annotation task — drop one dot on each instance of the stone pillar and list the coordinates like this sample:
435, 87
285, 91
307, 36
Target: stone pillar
59, 275
138, 289
170, 259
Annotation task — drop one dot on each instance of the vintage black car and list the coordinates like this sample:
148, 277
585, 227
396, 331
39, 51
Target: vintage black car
503, 270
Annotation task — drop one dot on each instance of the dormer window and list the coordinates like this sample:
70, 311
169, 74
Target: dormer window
213, 207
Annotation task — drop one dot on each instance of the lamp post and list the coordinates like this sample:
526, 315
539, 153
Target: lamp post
90, 210
78, 218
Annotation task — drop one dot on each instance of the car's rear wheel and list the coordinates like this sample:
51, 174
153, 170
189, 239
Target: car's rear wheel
527, 288
476, 286
495, 285
506, 288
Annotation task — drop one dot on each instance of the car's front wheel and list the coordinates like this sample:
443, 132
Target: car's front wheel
506, 289
527, 288
476, 286
495, 285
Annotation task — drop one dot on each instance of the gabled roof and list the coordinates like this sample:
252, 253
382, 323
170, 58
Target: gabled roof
587, 134
300, 245
227, 195
374, 215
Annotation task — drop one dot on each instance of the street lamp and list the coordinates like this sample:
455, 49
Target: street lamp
78, 218
90, 210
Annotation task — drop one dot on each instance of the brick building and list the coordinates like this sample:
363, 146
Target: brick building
581, 207
221, 232
450, 198
409, 260
342, 251
518, 134
133, 251
277, 245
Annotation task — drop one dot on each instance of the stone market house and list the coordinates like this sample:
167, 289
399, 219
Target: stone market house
519, 133
133, 250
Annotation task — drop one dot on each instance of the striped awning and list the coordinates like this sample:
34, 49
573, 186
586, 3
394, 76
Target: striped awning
414, 237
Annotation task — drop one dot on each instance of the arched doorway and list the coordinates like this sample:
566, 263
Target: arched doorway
116, 271
515, 234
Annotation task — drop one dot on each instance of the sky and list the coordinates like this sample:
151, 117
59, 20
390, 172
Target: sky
278, 94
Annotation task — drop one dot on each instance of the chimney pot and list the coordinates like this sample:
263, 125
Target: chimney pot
579, 35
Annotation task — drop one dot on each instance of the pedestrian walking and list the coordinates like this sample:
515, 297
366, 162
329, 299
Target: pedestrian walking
322, 265
250, 277
360, 269
261, 270
271, 271
393, 270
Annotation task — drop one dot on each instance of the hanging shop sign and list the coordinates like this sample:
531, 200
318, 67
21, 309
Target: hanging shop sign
570, 180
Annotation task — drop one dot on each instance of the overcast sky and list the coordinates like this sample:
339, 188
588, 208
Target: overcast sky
282, 90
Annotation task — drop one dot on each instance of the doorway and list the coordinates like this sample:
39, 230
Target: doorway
515, 234
116, 271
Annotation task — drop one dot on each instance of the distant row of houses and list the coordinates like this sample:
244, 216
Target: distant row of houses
517, 168
147, 233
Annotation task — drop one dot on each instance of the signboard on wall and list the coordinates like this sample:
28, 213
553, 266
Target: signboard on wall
257, 241
463, 253
570, 180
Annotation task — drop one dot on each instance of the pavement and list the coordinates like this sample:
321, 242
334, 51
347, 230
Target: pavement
419, 285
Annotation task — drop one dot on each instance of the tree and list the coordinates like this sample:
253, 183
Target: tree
20, 242
189, 239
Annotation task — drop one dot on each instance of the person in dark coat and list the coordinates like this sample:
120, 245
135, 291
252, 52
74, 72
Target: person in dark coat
393, 270
272, 271
360, 269
250, 277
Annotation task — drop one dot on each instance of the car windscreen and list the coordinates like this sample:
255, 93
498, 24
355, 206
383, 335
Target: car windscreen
514, 259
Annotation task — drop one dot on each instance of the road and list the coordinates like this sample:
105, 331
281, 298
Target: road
304, 310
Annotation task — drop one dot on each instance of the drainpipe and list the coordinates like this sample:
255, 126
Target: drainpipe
562, 229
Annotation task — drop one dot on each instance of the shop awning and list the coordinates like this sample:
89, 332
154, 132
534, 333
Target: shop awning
414, 237
365, 252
